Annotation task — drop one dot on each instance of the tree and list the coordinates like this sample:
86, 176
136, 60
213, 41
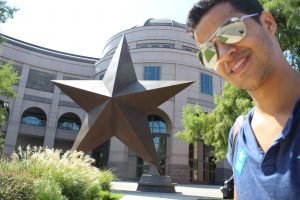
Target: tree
287, 16
8, 76
213, 128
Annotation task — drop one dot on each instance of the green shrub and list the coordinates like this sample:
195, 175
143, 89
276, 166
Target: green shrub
106, 195
106, 177
68, 175
72, 171
16, 186
48, 189
115, 196
1, 141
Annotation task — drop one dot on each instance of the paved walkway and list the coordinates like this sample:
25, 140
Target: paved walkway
183, 192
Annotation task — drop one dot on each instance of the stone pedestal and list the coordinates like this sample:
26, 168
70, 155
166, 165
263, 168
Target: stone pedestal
153, 182
156, 183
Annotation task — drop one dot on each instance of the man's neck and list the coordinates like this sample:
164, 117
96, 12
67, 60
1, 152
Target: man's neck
279, 93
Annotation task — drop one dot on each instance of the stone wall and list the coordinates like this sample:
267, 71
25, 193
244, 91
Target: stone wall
179, 173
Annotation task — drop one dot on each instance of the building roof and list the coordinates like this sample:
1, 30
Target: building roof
50, 52
163, 22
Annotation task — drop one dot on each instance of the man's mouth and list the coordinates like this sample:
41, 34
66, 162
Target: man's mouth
239, 66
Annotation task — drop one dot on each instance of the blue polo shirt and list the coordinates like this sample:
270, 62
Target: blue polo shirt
271, 175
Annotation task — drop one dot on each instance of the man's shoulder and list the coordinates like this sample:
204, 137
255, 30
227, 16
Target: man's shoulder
241, 122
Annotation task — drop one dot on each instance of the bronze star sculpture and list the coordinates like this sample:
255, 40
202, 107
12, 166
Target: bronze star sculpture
118, 106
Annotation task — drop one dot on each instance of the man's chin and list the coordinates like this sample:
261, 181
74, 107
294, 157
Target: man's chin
244, 86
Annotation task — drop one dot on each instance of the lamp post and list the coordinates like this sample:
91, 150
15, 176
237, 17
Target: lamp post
3, 126
5, 104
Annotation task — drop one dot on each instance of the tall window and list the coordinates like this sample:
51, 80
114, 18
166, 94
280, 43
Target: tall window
157, 125
206, 84
69, 121
151, 73
158, 128
39, 80
193, 161
34, 117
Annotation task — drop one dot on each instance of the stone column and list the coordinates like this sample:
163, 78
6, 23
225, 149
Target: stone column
132, 164
14, 122
118, 158
178, 166
52, 121
200, 161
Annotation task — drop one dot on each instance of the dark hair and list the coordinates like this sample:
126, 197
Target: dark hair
203, 6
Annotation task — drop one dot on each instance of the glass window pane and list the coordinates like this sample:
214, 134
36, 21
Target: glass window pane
156, 127
163, 127
151, 126
206, 84
69, 121
151, 73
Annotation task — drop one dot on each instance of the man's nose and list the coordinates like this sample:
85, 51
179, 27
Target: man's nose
225, 51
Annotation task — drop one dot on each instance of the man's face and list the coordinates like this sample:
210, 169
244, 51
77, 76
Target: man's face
245, 64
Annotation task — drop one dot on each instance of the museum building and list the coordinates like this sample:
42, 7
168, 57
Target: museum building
161, 49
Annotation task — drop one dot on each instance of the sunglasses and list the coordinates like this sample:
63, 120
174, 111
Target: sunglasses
230, 32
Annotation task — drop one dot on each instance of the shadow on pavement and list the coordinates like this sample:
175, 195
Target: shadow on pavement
175, 196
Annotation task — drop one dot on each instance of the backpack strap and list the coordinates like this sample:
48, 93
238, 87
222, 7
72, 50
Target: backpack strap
236, 127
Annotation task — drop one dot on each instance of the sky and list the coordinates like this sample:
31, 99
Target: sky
83, 26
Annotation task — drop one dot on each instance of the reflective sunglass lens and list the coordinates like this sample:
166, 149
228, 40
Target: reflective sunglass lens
200, 56
209, 58
232, 33
208, 55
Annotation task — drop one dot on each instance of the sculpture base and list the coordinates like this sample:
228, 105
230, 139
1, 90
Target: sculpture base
156, 183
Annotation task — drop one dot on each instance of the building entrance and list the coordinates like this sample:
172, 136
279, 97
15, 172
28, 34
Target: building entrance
100, 154
159, 131
201, 163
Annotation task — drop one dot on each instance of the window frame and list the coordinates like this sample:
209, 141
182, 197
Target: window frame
149, 75
206, 84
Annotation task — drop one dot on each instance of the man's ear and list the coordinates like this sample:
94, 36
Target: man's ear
268, 22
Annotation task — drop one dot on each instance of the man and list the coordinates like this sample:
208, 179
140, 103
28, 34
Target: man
236, 38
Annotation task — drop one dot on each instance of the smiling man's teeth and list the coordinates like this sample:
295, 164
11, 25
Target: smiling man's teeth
238, 65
